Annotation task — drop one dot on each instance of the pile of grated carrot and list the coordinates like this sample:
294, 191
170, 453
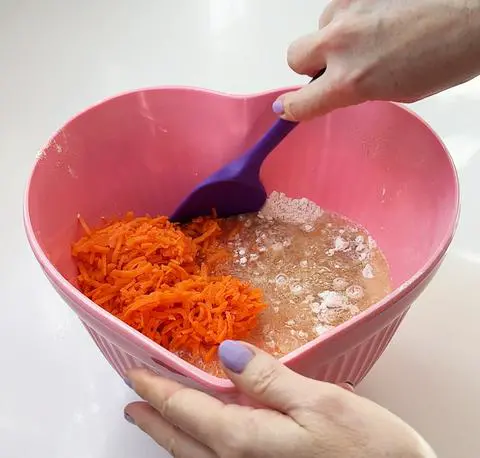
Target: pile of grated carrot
156, 276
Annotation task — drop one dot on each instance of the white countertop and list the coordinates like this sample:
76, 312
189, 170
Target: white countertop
58, 397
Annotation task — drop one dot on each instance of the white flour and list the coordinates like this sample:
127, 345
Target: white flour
279, 207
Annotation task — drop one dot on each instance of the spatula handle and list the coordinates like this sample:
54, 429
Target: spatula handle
279, 130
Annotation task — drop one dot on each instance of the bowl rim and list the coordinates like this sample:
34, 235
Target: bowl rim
155, 351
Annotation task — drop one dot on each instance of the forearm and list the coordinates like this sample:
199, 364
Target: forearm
421, 48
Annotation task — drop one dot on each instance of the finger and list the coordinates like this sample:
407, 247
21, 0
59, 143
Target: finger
306, 55
267, 381
330, 11
314, 99
197, 414
168, 436
347, 386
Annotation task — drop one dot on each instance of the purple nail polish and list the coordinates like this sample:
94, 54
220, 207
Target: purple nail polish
234, 355
277, 107
128, 418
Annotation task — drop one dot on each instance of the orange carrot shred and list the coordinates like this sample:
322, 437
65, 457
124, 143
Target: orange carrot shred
84, 225
155, 275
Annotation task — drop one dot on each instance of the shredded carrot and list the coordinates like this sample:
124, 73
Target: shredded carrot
157, 277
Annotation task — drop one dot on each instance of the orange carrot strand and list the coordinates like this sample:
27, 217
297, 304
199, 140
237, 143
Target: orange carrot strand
155, 275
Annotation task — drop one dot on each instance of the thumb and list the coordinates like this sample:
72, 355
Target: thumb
315, 99
264, 379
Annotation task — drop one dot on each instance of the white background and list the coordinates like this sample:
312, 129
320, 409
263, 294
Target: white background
58, 397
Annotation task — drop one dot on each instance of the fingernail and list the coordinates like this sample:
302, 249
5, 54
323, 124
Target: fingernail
128, 383
348, 386
234, 355
277, 107
128, 418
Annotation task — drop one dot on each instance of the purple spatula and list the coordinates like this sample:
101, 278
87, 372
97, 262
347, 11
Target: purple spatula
236, 188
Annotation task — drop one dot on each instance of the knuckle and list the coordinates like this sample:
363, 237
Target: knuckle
302, 107
265, 377
167, 407
292, 56
143, 390
171, 446
168, 441
296, 56
328, 14
238, 439
323, 20
144, 386
332, 402
334, 33
333, 9
235, 445
296, 109
303, 54
341, 33
293, 110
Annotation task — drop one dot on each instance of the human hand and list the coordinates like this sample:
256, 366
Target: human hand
383, 50
302, 418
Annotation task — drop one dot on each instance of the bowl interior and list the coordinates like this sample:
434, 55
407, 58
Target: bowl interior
375, 163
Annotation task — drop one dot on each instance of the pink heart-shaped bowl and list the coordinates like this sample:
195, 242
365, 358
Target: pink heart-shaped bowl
376, 163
